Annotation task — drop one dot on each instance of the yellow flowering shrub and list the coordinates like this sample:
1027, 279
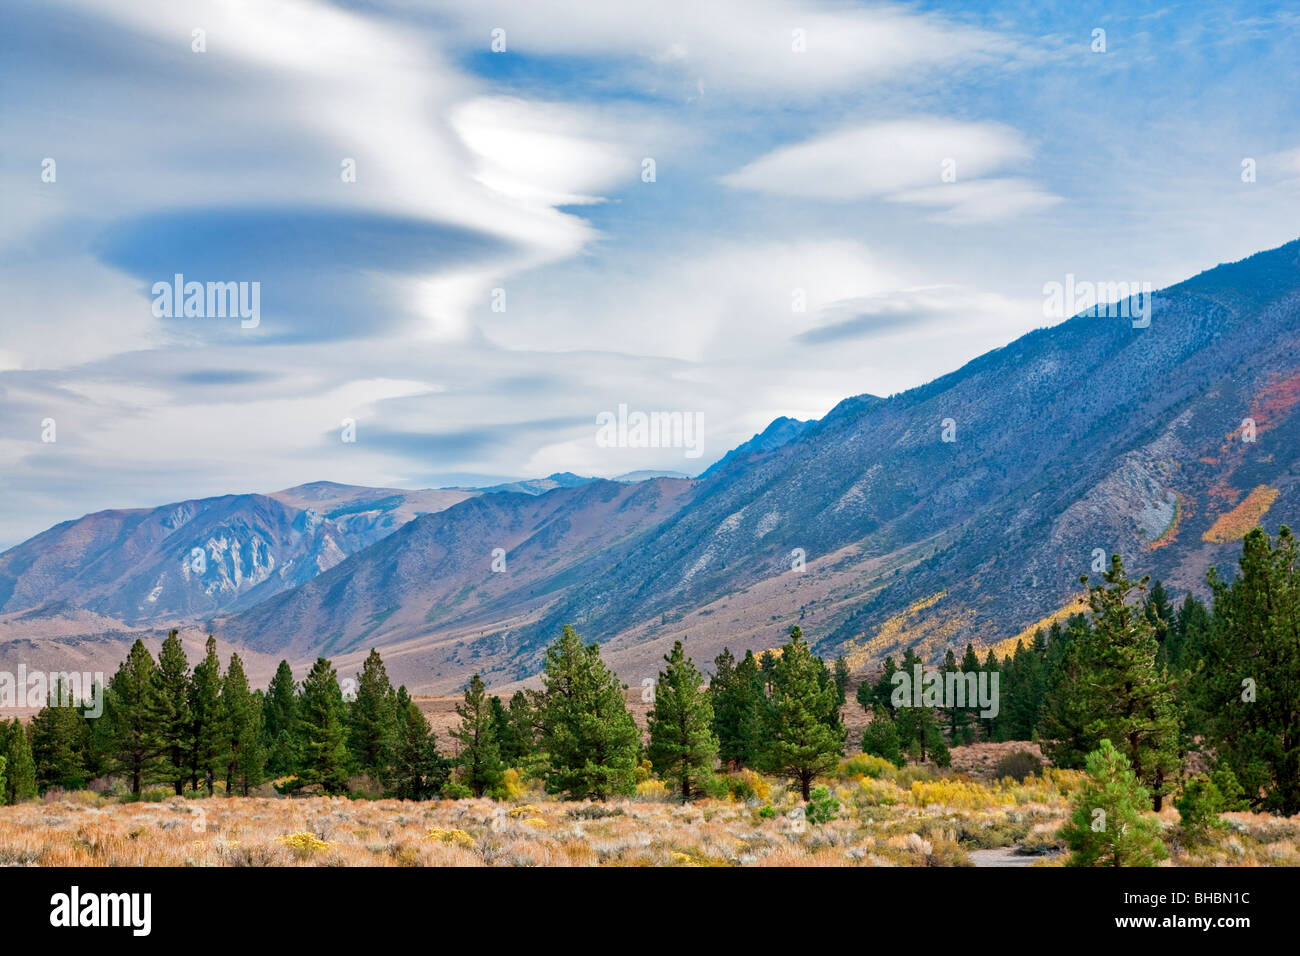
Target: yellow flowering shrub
455, 837
304, 844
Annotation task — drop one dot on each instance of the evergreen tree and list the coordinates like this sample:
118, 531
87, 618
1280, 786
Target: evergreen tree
1249, 687
208, 732
21, 773
1129, 695
682, 744
135, 744
520, 741
1065, 727
1108, 826
418, 770
967, 728
169, 711
737, 697
479, 759
57, 741
880, 739
1188, 638
841, 675
322, 736
804, 736
919, 727
881, 692
991, 667
245, 757
590, 738
280, 722
372, 720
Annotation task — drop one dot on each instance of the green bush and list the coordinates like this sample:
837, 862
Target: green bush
454, 790
1199, 806
822, 806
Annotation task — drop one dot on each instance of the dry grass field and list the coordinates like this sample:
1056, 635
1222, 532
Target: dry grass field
885, 817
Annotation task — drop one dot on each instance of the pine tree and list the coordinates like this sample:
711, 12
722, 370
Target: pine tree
322, 737
991, 667
372, 720
919, 727
280, 722
1108, 826
479, 760
589, 737
1129, 695
967, 729
737, 698
57, 742
245, 757
880, 739
169, 711
418, 770
682, 744
1249, 688
21, 772
1065, 726
208, 733
804, 737
135, 744
841, 674
525, 726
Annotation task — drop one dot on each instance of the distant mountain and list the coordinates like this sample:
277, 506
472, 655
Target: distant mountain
494, 558
645, 475
539, 486
191, 559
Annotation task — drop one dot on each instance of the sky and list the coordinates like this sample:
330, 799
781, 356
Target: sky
476, 227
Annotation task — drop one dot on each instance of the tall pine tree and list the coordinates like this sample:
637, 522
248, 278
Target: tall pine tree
682, 744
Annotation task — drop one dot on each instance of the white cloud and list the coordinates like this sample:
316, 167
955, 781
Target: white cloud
927, 161
740, 48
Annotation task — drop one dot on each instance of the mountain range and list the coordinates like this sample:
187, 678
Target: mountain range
962, 510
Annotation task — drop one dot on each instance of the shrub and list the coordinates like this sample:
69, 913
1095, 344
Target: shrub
767, 812
652, 790
866, 765
303, 844
746, 785
594, 811
822, 806
454, 837
455, 790
1018, 765
1199, 806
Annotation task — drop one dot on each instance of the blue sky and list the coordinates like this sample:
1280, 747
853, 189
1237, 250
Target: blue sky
780, 174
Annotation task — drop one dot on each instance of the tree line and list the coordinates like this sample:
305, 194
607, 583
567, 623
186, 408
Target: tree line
165, 723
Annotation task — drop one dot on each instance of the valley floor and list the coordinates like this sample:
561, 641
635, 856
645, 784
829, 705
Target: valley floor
885, 817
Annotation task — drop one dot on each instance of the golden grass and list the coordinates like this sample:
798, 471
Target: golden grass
888, 817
